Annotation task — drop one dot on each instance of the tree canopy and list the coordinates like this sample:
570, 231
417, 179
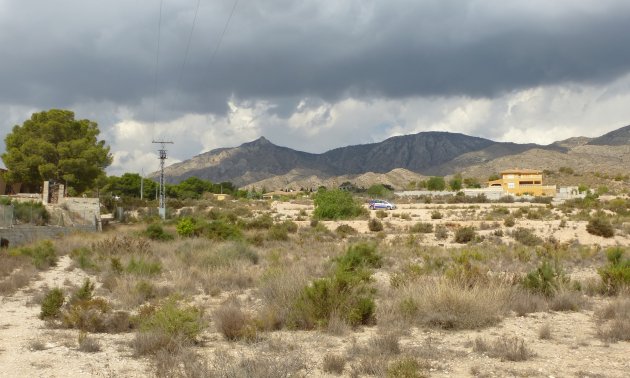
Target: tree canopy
436, 183
52, 145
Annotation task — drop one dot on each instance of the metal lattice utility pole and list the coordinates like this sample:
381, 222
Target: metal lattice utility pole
162, 150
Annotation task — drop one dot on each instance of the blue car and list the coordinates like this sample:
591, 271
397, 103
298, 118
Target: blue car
380, 204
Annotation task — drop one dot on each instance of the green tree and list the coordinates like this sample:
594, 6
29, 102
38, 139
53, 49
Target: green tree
455, 184
378, 190
129, 185
336, 204
52, 145
436, 183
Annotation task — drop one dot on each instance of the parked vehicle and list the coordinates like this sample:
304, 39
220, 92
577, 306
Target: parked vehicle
380, 204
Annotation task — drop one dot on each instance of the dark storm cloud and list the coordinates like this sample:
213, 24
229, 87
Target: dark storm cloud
67, 52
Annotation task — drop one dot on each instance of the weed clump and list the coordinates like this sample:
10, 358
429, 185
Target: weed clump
83, 258
465, 235
42, 254
600, 227
375, 225
154, 231
166, 327
344, 230
421, 227
221, 230
526, 237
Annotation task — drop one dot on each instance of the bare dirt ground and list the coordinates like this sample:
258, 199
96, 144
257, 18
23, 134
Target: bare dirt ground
462, 215
28, 348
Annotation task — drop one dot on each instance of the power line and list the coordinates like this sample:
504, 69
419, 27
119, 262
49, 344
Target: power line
227, 23
192, 28
157, 64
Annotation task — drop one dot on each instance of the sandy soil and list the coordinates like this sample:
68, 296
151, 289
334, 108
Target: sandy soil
461, 215
28, 348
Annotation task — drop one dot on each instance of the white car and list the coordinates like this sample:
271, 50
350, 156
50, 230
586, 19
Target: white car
380, 204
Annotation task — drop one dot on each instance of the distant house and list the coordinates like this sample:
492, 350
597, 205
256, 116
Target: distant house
523, 182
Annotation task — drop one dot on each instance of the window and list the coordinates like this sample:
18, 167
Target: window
510, 185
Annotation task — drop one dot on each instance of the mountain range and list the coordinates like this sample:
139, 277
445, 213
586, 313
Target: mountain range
408, 157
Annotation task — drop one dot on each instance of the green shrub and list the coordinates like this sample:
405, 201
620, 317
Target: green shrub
509, 222
188, 227
84, 293
435, 214
464, 235
290, 226
421, 227
407, 367
336, 204
345, 293
183, 323
83, 257
381, 214
154, 231
261, 222
616, 274
601, 227
143, 267
42, 254
546, 279
221, 230
362, 255
51, 305
526, 237
375, 225
278, 232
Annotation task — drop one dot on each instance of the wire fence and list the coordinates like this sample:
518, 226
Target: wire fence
6, 216
37, 215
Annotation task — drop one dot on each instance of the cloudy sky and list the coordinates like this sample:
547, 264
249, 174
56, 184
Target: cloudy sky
315, 74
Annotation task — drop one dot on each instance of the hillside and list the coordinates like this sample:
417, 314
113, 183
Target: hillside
427, 153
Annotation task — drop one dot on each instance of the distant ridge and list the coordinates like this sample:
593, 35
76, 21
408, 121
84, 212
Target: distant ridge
428, 153
617, 137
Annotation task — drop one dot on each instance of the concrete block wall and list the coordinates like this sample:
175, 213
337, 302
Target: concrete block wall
20, 235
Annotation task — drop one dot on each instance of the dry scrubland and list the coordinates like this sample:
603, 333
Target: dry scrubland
258, 289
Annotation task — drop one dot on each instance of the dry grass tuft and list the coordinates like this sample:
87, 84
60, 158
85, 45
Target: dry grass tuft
524, 302
17, 280
614, 320
567, 300
37, 344
235, 324
334, 363
88, 344
181, 362
446, 304
544, 332
504, 348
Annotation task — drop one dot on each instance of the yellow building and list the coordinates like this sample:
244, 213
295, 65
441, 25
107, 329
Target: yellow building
523, 182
